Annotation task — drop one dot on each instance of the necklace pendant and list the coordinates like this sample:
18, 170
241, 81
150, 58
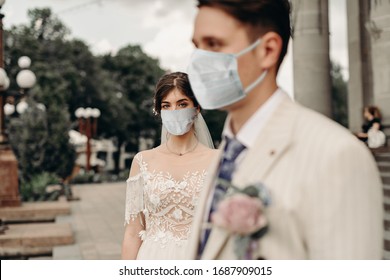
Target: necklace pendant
182, 154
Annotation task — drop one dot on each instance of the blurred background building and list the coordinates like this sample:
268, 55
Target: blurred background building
368, 25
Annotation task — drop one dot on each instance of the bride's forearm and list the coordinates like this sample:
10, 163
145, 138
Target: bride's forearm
131, 241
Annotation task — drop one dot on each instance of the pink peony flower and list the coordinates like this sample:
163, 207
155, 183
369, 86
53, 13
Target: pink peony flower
240, 214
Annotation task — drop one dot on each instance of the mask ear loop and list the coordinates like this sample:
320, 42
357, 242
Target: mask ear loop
193, 123
249, 48
256, 82
262, 76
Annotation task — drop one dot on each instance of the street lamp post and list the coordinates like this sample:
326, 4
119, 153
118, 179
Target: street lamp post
87, 118
9, 185
25, 79
1, 35
3, 77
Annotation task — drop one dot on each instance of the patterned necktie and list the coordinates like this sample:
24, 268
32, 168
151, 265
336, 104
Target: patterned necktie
232, 149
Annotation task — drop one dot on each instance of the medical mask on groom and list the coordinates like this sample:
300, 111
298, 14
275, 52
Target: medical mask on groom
214, 78
178, 122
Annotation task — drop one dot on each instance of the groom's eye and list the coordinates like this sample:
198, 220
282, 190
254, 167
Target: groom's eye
213, 44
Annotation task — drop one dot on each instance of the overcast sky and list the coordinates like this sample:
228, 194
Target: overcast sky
162, 27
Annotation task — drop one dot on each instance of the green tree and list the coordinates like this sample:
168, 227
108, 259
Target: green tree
215, 121
28, 136
42, 40
135, 75
339, 96
46, 26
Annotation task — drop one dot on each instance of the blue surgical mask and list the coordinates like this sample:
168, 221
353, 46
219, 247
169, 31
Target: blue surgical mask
178, 122
214, 78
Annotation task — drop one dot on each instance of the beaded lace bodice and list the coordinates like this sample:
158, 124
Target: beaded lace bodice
166, 202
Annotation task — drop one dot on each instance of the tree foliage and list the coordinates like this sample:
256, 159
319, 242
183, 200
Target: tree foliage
135, 75
339, 96
28, 135
215, 121
40, 138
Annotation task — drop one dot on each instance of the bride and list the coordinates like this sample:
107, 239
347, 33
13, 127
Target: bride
165, 182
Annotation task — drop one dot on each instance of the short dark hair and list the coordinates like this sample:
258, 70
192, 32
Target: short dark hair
261, 16
169, 82
374, 111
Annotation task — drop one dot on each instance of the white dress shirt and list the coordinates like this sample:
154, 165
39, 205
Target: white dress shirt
250, 131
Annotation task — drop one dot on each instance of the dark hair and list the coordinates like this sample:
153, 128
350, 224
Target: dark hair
261, 16
169, 82
374, 111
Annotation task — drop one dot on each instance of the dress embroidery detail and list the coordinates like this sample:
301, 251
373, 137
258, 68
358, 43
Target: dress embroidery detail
167, 204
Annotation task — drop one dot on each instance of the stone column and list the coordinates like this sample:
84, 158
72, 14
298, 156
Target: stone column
360, 87
312, 81
379, 29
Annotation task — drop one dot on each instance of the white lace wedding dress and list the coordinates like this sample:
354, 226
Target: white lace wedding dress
166, 199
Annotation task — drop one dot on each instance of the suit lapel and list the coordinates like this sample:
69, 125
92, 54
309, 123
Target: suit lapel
273, 141
259, 160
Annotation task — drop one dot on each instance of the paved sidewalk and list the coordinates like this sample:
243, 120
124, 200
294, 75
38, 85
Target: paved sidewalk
97, 220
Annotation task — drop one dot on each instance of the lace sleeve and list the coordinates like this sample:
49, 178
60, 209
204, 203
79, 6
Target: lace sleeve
134, 197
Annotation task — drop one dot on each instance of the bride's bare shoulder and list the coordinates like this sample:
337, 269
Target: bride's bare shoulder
150, 154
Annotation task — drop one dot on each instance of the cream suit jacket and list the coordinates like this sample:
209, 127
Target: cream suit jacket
325, 189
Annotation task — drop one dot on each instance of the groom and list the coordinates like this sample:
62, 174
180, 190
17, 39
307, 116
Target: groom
324, 188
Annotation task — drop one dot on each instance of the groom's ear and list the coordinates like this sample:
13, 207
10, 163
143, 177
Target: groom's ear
269, 50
